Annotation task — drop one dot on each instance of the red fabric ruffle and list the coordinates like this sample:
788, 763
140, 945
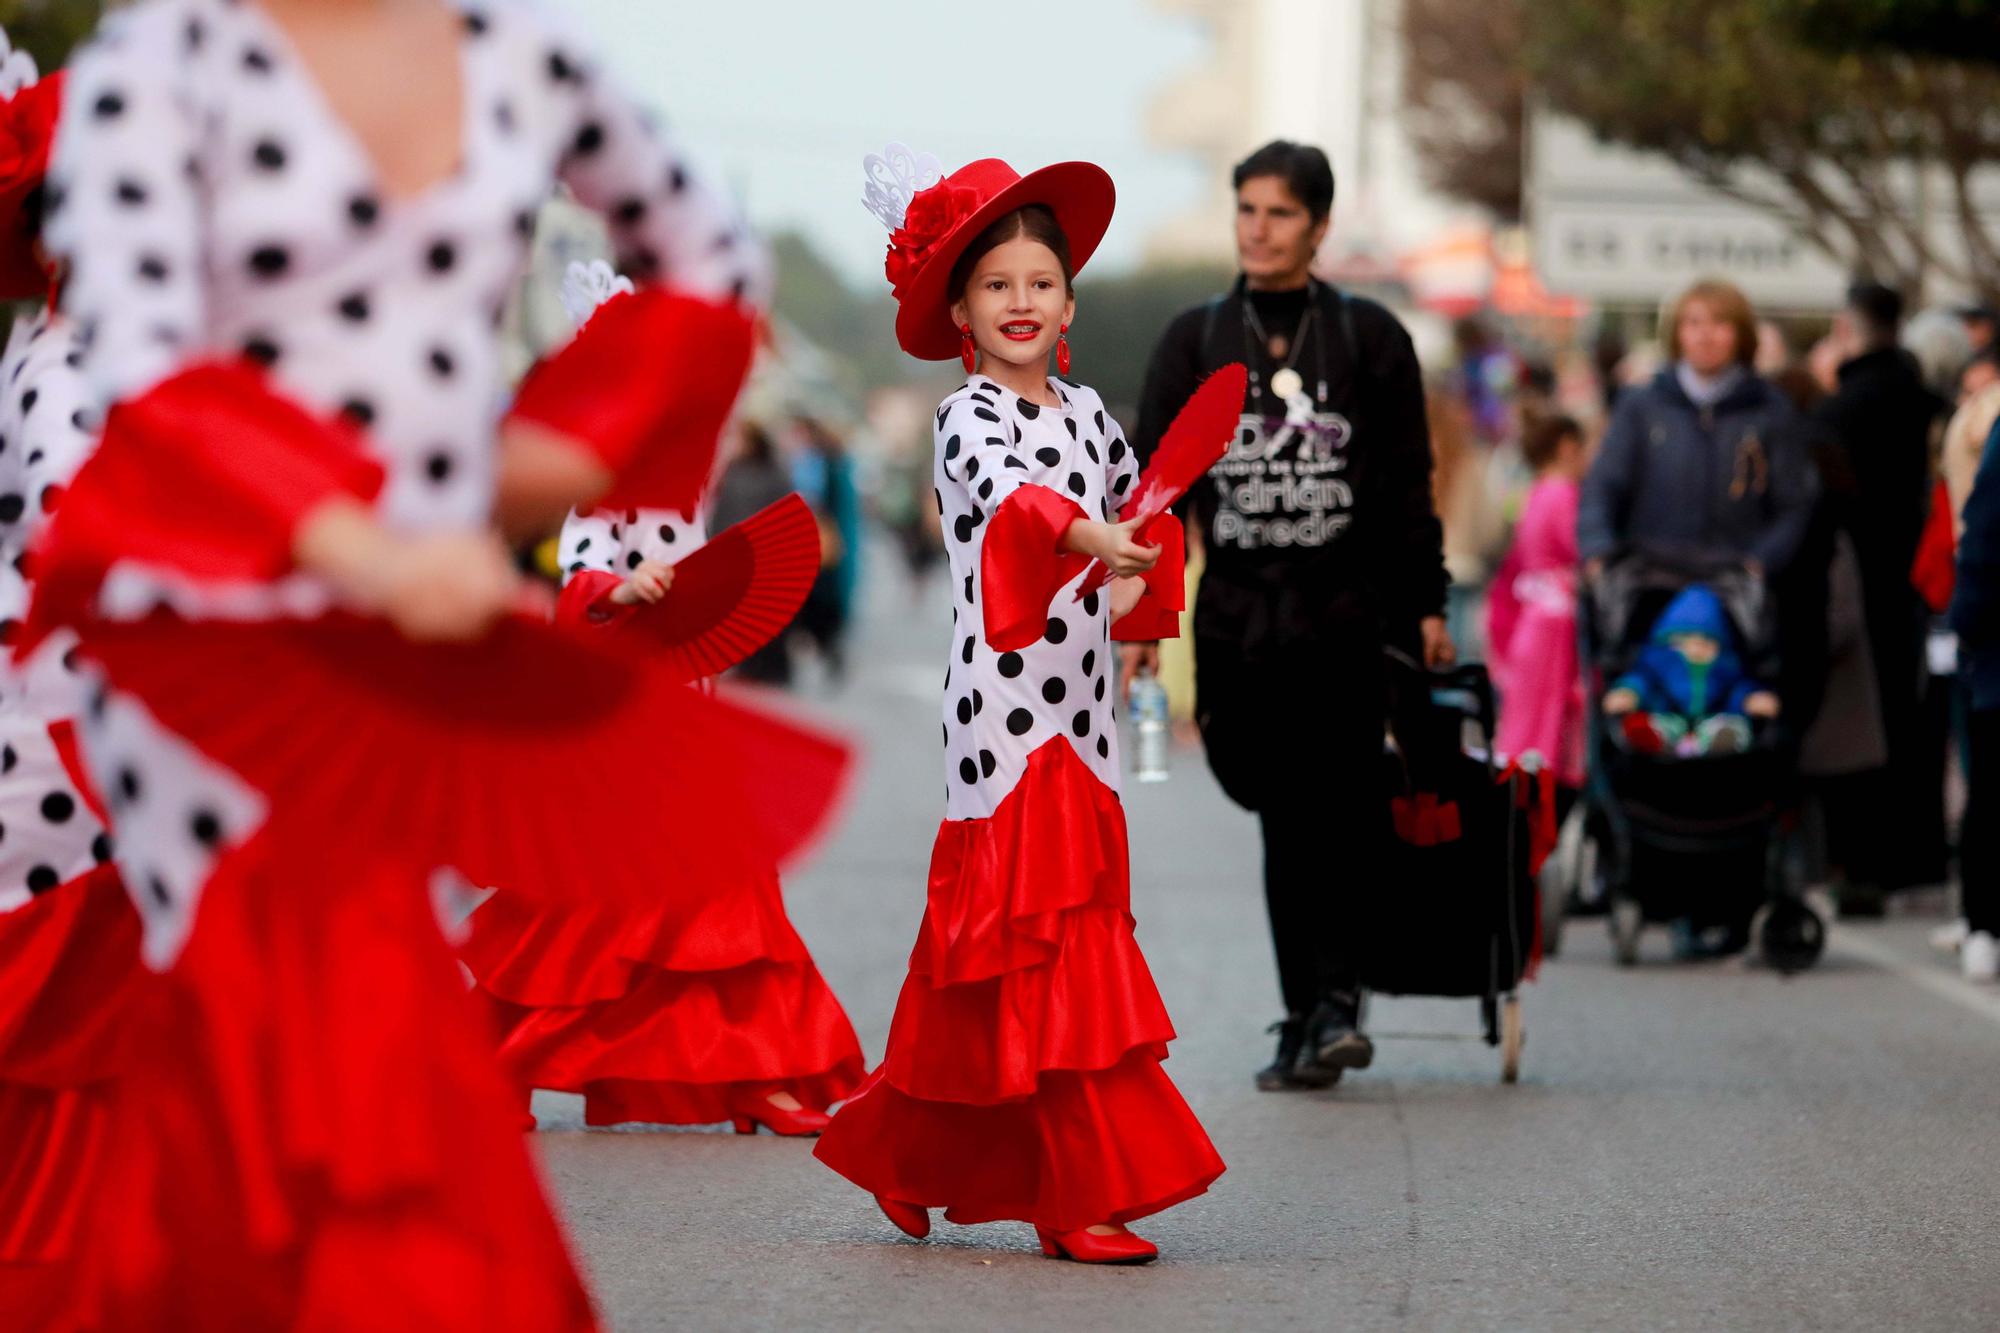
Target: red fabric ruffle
661, 1019
315, 1135
69, 978
1022, 565
442, 754
1110, 1145
1157, 615
647, 386
208, 475
55, 1141
1023, 1075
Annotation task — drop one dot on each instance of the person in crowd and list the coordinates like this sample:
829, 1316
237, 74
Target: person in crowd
1975, 616
752, 479
1878, 422
1708, 455
1471, 504
1980, 321
824, 473
1323, 547
1531, 635
1688, 693
1965, 437
1023, 1075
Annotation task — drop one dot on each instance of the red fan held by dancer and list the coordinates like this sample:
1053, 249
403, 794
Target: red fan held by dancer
730, 598
1194, 443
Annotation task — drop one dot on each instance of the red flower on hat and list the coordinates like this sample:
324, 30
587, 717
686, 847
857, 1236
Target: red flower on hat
932, 215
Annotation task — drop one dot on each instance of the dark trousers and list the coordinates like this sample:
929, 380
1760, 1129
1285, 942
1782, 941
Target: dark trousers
1300, 742
1979, 843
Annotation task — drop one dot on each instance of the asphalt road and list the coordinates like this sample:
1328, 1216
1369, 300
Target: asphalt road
1690, 1147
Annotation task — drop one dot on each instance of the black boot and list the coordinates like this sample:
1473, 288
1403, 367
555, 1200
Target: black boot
1283, 1073
1334, 1040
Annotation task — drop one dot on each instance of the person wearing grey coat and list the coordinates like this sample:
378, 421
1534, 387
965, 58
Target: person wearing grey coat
1710, 463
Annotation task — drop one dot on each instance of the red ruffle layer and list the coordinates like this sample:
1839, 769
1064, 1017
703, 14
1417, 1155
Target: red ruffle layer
314, 1135
1023, 1074
69, 975
659, 1019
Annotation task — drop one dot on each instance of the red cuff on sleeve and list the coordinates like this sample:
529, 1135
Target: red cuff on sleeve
1158, 612
586, 600
207, 474
647, 386
1023, 566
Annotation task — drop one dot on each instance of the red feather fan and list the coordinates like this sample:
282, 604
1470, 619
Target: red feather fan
1194, 443
499, 758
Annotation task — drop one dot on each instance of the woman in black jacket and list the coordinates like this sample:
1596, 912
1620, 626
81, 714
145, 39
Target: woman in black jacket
1322, 547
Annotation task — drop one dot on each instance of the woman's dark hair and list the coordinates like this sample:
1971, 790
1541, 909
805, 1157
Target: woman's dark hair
1303, 168
1543, 439
1037, 222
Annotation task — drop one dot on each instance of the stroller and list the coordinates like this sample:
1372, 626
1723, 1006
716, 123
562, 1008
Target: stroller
1703, 840
1457, 916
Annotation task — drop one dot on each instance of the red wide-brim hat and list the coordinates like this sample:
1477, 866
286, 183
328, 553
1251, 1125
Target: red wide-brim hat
946, 218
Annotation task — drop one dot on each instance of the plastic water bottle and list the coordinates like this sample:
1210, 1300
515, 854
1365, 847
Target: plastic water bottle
1148, 702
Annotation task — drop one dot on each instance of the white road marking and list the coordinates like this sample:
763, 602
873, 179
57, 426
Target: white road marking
1981, 1000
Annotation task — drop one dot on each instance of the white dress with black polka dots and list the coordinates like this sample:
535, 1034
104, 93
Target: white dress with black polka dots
619, 541
999, 708
48, 836
210, 203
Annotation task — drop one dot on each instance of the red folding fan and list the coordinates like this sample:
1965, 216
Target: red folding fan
1194, 443
735, 594
531, 760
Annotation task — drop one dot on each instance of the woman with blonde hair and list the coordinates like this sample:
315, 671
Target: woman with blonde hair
1708, 455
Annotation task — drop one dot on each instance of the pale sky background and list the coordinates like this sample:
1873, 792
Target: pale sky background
784, 97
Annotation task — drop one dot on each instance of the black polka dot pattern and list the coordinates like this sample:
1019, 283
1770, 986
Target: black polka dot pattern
1053, 692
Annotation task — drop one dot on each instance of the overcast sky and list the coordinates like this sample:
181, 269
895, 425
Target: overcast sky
785, 97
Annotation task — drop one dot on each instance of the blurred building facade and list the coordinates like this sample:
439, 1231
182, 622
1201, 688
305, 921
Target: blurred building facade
1327, 72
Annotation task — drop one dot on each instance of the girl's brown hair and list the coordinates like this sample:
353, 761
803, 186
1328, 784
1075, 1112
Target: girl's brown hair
1037, 222
1543, 439
1726, 301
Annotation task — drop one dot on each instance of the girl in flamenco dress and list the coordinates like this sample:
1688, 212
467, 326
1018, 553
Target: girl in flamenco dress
69, 940
1022, 1078
652, 1019
290, 228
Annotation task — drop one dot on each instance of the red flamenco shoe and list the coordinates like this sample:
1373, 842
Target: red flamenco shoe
911, 1220
1085, 1246
800, 1123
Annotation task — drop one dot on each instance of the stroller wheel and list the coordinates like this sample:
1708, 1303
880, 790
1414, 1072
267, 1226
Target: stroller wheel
1791, 936
1627, 920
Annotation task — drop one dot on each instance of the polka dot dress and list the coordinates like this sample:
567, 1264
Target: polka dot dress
209, 202
999, 708
48, 835
619, 541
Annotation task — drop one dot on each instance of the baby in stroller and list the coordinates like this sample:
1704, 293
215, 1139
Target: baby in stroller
1688, 692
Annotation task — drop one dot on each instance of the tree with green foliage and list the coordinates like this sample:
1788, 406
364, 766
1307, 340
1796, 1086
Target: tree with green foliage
1465, 98
1822, 138
49, 29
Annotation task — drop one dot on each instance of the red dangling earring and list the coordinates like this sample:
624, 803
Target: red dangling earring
1062, 351
967, 353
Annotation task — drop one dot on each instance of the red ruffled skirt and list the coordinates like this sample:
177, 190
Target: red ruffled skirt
69, 976
1023, 1075
658, 1019
313, 1134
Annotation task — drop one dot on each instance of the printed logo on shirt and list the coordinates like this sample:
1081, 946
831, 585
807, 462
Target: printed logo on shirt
1282, 482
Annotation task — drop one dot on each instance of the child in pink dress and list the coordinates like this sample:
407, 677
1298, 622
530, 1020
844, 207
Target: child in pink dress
1532, 616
